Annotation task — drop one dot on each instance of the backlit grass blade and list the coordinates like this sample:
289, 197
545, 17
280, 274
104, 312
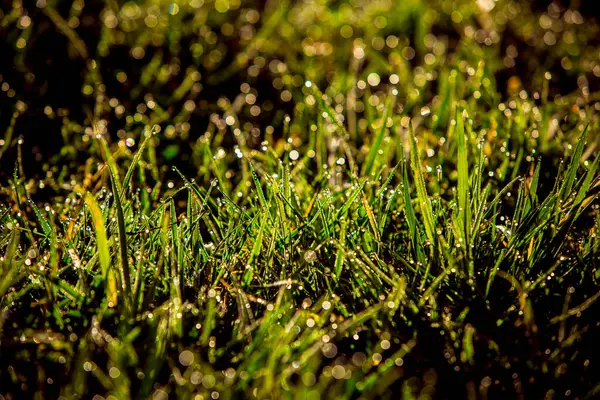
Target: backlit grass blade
388, 180
103, 247
532, 195
261, 194
8, 268
391, 203
123, 245
587, 181
378, 140
464, 206
339, 257
47, 228
463, 179
371, 217
571, 173
350, 201
50, 235
136, 159
422, 197
177, 258
256, 250
112, 167
411, 218
8, 134
122, 233
139, 279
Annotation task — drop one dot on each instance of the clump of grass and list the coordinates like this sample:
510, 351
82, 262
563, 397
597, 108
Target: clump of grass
374, 240
346, 285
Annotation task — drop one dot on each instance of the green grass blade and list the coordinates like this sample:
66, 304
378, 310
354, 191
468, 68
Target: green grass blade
135, 161
103, 247
378, 140
463, 179
122, 233
351, 199
571, 173
422, 197
261, 195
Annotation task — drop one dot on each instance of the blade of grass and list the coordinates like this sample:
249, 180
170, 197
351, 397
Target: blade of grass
103, 247
378, 140
422, 197
463, 179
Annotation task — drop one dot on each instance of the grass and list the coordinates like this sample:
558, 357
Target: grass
392, 222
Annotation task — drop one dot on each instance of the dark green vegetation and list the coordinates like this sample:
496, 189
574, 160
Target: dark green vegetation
215, 199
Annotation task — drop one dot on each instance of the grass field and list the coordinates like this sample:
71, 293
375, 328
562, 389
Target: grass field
215, 199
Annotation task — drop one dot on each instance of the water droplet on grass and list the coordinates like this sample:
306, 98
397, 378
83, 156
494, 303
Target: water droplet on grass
310, 256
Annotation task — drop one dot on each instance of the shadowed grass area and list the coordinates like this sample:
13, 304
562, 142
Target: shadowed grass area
302, 200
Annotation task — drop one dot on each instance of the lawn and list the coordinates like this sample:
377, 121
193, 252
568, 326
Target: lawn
219, 199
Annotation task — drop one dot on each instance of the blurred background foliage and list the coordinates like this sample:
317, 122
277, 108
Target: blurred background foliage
185, 67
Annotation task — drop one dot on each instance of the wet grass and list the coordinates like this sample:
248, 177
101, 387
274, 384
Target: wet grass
374, 213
